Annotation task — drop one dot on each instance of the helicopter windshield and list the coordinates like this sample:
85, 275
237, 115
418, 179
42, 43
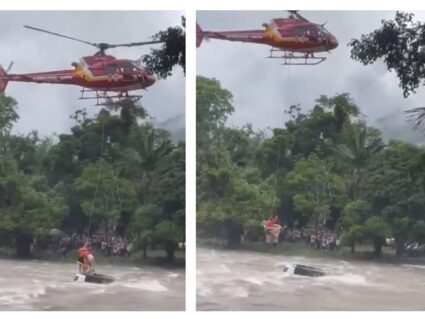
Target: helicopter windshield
323, 30
136, 67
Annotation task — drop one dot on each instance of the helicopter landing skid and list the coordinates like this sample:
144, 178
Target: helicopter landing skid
104, 99
290, 58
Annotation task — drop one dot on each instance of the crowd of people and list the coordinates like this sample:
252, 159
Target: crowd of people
114, 246
324, 239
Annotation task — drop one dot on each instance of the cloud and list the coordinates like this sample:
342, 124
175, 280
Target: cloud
47, 108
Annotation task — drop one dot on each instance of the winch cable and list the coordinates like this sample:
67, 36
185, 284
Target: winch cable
99, 174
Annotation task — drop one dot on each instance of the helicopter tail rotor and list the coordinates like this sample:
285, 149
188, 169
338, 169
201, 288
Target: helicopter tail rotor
3, 79
199, 35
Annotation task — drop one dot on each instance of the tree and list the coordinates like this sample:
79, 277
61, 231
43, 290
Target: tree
104, 193
213, 106
393, 192
418, 232
142, 226
354, 215
399, 43
26, 205
376, 229
140, 161
229, 197
275, 153
169, 235
359, 145
172, 52
315, 188
8, 114
343, 107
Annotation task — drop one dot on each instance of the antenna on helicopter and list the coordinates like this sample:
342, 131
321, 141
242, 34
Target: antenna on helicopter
101, 46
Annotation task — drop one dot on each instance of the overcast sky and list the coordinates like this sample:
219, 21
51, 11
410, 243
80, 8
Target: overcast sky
46, 107
263, 88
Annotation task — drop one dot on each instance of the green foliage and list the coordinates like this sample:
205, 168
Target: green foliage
353, 234
418, 232
213, 106
27, 204
399, 43
315, 188
171, 53
167, 232
8, 114
103, 193
169, 235
354, 213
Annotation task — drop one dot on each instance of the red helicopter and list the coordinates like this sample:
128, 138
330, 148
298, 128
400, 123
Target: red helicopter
294, 39
99, 75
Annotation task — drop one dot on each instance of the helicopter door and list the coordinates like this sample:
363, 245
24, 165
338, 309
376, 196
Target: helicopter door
299, 32
112, 71
127, 71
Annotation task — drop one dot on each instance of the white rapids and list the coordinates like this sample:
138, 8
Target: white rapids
38, 285
234, 280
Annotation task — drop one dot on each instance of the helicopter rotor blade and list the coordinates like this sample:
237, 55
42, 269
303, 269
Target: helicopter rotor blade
9, 67
133, 44
297, 15
101, 46
61, 35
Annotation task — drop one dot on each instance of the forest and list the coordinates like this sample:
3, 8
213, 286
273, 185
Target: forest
113, 174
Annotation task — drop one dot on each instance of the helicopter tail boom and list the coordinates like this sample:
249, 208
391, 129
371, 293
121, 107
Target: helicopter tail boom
3, 79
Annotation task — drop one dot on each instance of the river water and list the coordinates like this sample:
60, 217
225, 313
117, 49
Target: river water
38, 285
231, 280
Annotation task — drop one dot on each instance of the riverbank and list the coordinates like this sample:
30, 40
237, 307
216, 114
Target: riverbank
363, 252
155, 258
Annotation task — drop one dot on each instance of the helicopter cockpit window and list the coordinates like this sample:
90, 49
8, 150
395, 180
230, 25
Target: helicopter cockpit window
136, 68
323, 30
111, 69
308, 30
311, 30
298, 32
127, 68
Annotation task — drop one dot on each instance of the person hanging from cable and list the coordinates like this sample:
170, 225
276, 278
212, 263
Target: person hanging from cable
85, 260
89, 261
272, 228
82, 253
272, 220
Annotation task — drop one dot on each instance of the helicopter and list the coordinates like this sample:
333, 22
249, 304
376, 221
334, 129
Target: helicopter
102, 76
293, 39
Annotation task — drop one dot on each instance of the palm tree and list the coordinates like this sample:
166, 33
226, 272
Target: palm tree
140, 161
357, 148
416, 117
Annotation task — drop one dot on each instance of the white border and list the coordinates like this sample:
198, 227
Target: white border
190, 160
190, 6
212, 5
